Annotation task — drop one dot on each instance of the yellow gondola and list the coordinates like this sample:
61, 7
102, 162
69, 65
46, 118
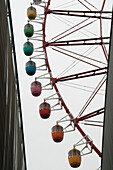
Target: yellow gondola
31, 13
74, 158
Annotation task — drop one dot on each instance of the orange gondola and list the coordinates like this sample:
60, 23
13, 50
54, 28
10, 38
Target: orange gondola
74, 158
57, 133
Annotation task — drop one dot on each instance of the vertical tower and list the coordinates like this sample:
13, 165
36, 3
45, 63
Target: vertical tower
107, 154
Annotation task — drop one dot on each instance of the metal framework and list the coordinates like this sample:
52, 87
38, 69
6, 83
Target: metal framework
98, 41
91, 14
56, 44
85, 142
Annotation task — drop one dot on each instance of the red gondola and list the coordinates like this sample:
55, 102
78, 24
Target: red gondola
57, 133
45, 110
36, 88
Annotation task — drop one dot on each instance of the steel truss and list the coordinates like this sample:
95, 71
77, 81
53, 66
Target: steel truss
98, 41
53, 80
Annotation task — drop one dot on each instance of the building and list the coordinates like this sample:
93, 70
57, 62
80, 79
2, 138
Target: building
12, 148
107, 151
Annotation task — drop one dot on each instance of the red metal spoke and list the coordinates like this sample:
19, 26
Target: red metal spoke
95, 41
103, 6
77, 13
95, 113
89, 124
83, 75
69, 43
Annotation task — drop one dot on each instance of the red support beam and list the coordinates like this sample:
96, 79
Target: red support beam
83, 75
85, 12
90, 41
95, 113
103, 6
92, 124
79, 13
69, 43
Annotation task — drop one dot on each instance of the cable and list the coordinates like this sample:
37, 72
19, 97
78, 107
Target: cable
64, 4
91, 5
70, 28
64, 71
83, 86
78, 88
84, 5
82, 55
76, 58
92, 95
62, 20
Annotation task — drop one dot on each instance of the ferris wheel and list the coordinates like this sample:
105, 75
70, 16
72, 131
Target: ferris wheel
71, 40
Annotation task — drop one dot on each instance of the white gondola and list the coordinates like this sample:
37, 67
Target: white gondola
36, 2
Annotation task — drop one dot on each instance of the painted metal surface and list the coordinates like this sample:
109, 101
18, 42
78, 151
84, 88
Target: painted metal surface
107, 152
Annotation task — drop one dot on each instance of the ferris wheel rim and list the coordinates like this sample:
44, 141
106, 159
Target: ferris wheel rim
75, 120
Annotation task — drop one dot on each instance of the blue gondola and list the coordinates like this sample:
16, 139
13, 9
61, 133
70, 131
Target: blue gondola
30, 68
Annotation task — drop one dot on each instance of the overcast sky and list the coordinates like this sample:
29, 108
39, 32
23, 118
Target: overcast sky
41, 152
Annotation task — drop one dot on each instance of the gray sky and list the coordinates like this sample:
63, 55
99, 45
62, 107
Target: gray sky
41, 152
